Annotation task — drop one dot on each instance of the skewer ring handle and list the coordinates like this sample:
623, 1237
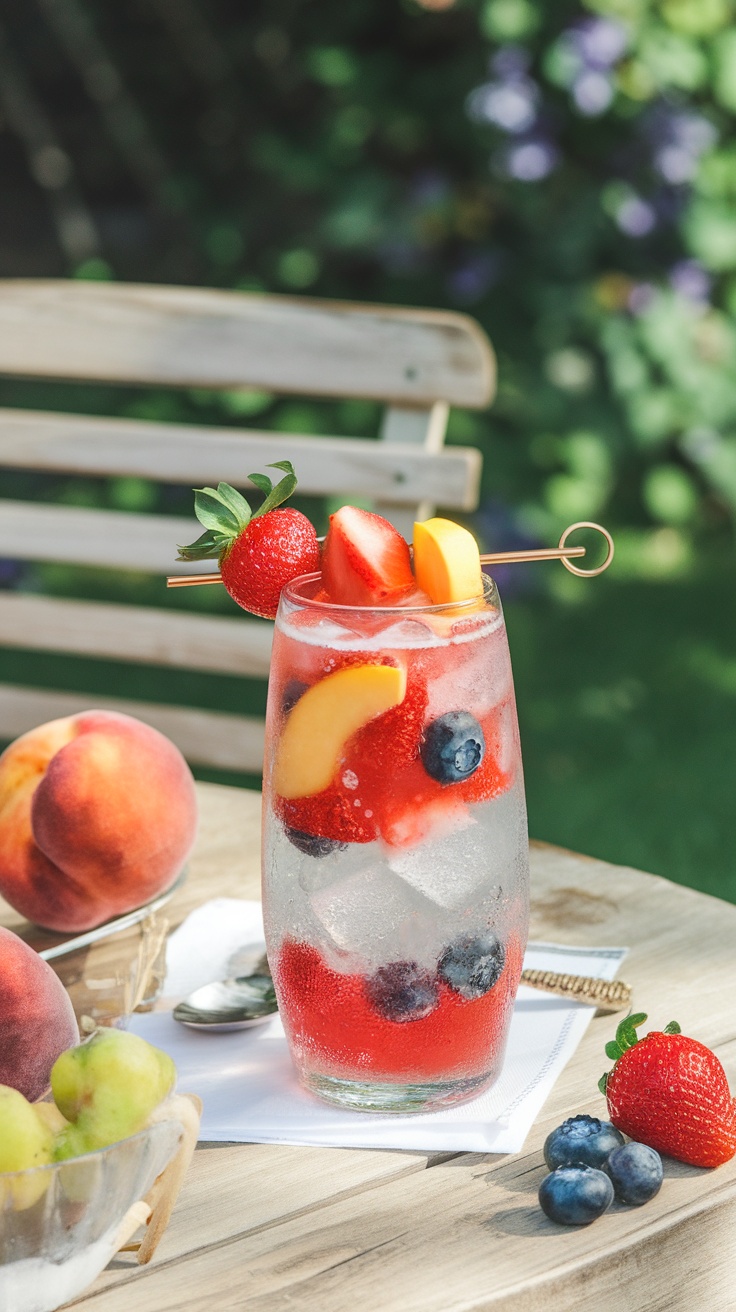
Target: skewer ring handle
575, 569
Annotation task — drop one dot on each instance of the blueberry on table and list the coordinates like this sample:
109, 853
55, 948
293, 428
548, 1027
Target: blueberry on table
453, 747
575, 1195
581, 1140
471, 966
402, 991
636, 1173
314, 844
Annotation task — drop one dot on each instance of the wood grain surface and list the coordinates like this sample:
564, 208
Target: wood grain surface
229, 742
197, 337
213, 644
272, 1228
415, 362
396, 471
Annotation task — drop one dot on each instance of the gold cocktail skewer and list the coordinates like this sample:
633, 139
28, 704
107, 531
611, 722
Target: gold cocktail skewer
561, 552
544, 553
192, 580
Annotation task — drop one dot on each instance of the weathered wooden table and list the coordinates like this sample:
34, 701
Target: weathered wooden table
271, 1228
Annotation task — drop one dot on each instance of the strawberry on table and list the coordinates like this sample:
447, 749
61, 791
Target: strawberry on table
259, 551
670, 1092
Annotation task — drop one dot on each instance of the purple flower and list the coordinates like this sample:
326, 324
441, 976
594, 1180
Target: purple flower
401, 257
512, 106
678, 139
635, 216
499, 530
592, 92
675, 164
641, 297
530, 160
694, 132
470, 281
690, 280
11, 572
510, 62
601, 41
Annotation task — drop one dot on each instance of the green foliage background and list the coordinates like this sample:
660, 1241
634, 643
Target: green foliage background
564, 173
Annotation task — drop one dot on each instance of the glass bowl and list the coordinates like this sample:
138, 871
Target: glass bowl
61, 1224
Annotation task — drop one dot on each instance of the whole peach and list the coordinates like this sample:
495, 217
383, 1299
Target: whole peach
97, 815
37, 1020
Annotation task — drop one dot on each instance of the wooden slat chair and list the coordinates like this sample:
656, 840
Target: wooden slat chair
417, 362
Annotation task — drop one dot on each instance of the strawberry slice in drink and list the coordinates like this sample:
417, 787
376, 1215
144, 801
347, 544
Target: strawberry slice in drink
331, 814
408, 805
381, 787
349, 810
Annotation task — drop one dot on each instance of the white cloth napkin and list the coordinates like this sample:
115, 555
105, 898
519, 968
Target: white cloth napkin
249, 1089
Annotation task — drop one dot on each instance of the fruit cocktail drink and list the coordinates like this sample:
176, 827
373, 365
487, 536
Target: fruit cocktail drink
395, 868
395, 841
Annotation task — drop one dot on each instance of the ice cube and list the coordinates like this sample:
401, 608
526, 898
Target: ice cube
446, 869
476, 677
409, 633
292, 866
506, 747
378, 918
465, 866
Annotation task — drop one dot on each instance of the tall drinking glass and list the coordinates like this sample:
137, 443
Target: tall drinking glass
395, 876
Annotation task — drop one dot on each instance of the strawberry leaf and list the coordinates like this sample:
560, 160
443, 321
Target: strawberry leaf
213, 512
224, 512
626, 1035
236, 502
207, 547
672, 1028
281, 491
262, 482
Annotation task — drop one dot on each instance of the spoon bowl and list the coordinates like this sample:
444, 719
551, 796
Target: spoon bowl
229, 1004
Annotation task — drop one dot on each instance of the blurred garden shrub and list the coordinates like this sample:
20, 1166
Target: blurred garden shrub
565, 173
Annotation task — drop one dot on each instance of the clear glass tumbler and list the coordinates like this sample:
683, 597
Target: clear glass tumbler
395, 868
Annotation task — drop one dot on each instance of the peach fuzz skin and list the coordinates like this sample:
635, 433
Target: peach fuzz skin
97, 815
37, 1019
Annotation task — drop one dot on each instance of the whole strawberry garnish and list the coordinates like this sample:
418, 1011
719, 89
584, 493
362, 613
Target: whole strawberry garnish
670, 1092
259, 551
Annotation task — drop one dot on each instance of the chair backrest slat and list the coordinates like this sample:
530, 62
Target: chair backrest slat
212, 644
183, 453
417, 363
113, 539
202, 338
228, 742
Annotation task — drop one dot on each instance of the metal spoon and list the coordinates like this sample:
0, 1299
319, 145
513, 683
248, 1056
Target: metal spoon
229, 1004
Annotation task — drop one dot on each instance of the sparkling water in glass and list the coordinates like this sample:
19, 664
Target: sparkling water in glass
395, 889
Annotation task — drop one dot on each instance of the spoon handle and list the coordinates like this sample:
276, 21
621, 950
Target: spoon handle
608, 995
